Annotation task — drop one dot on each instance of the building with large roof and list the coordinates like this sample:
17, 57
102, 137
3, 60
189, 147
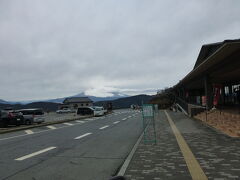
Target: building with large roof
76, 102
214, 82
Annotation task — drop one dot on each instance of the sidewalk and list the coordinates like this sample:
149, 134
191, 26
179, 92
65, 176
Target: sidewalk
217, 155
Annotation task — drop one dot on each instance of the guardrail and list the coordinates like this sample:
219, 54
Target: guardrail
182, 103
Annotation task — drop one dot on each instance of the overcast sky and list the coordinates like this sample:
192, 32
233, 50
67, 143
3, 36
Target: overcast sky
51, 49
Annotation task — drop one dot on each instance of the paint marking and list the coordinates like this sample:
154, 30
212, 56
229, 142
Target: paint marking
80, 121
84, 135
103, 127
69, 124
29, 132
51, 127
129, 116
192, 164
124, 119
34, 154
90, 119
116, 122
22, 135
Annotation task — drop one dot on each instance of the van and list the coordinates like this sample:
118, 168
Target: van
85, 111
32, 116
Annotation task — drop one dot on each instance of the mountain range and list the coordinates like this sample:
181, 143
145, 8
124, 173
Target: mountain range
115, 95
123, 102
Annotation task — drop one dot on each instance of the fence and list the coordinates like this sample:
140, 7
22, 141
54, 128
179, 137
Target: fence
149, 113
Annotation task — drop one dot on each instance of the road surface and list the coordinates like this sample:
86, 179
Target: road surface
92, 149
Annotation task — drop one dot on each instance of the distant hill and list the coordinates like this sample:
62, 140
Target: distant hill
3, 102
46, 106
119, 103
115, 95
8, 102
127, 101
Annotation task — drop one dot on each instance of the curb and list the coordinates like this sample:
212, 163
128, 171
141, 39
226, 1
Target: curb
129, 157
41, 125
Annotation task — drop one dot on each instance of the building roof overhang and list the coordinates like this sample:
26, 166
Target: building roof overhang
219, 55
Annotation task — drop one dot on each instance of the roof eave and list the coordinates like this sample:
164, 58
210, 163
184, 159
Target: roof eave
220, 54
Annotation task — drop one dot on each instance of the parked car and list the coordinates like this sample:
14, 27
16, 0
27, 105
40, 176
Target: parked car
85, 111
32, 115
98, 111
11, 117
3, 116
65, 110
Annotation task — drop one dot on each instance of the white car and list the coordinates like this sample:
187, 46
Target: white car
60, 111
98, 111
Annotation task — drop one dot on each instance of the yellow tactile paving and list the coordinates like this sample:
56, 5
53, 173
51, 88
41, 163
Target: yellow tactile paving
192, 164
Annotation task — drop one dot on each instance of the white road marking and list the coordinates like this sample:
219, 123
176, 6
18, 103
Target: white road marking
103, 127
22, 135
90, 119
129, 116
80, 121
124, 119
34, 154
79, 137
29, 132
116, 122
51, 127
69, 124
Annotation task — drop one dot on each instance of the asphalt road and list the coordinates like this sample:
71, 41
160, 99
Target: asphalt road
93, 148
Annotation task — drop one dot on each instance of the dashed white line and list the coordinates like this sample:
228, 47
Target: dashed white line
69, 124
90, 119
80, 121
84, 135
103, 127
116, 122
124, 119
29, 131
34, 154
51, 127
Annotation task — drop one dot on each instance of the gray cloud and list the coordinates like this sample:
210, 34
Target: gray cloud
58, 48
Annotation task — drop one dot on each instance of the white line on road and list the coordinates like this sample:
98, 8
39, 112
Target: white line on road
116, 122
129, 116
22, 135
124, 119
90, 119
51, 127
80, 121
69, 124
79, 137
34, 154
29, 131
103, 127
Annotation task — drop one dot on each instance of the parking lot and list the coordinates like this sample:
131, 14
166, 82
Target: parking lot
49, 118
53, 116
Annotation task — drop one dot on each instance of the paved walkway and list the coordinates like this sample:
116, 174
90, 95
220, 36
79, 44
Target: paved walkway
185, 149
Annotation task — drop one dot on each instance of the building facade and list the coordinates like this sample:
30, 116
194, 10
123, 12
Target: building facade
74, 103
214, 80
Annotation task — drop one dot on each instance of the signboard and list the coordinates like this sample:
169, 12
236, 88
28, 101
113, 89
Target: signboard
148, 110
